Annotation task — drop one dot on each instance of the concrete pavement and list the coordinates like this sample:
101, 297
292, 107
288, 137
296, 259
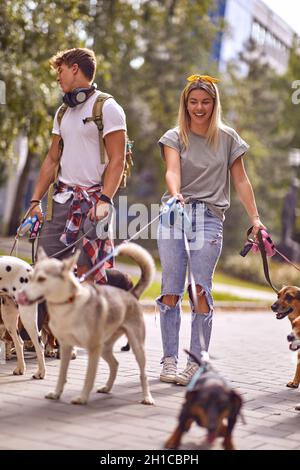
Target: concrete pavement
249, 349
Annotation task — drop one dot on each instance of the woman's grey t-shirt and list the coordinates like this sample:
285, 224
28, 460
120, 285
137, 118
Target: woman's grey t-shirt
204, 170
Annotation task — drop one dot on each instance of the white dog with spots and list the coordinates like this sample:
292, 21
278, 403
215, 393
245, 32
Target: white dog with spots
14, 274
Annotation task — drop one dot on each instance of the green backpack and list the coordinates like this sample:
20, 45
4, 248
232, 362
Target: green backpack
97, 118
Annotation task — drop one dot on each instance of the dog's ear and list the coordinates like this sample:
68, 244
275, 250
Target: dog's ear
297, 296
41, 254
69, 263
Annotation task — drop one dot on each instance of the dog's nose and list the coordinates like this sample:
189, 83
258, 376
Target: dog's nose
274, 307
291, 337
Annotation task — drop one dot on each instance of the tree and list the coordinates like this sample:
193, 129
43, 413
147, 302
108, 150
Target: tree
146, 50
253, 105
30, 32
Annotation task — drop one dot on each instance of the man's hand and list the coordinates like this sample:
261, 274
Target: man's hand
102, 211
36, 209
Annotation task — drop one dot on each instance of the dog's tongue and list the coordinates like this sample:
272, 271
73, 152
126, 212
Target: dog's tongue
22, 298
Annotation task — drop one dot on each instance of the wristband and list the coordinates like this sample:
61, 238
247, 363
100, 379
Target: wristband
105, 198
35, 200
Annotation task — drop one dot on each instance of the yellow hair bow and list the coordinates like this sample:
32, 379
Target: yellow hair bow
205, 78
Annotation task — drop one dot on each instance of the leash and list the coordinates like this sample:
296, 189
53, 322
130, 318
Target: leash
167, 207
267, 248
263, 253
181, 210
34, 235
17, 236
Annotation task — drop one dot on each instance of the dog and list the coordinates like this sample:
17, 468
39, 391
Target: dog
288, 305
294, 340
14, 274
114, 278
211, 403
91, 316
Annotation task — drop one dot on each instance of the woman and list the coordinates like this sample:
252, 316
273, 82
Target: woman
200, 155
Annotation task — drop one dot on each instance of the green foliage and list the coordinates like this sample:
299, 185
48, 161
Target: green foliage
145, 51
250, 268
253, 105
30, 32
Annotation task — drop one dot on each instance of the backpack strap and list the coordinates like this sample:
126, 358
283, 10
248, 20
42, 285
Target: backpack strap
97, 118
61, 111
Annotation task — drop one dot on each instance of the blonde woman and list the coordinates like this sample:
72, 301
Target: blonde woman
201, 154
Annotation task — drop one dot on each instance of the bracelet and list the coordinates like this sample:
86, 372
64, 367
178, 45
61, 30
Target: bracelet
35, 200
105, 198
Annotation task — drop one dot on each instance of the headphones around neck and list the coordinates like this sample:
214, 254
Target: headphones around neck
78, 96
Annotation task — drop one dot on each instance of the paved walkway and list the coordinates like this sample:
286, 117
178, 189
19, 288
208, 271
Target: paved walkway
249, 349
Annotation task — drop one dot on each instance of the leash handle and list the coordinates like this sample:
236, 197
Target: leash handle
263, 255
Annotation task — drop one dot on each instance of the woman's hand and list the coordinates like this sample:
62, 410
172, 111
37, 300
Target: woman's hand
179, 198
257, 225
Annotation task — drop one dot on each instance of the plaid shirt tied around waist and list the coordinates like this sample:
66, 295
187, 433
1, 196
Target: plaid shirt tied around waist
83, 200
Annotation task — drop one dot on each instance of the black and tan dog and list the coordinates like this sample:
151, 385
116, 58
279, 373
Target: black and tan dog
211, 403
294, 340
288, 305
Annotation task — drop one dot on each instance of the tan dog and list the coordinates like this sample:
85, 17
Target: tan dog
14, 274
288, 305
91, 317
294, 340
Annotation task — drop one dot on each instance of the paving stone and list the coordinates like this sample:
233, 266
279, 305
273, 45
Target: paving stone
244, 352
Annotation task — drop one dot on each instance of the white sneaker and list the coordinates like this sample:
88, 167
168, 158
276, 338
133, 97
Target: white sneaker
169, 370
186, 375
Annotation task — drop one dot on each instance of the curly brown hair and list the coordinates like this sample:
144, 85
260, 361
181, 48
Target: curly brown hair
85, 58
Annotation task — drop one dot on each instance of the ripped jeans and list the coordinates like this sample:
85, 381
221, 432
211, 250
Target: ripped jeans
205, 236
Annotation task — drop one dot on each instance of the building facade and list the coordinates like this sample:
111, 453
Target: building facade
252, 19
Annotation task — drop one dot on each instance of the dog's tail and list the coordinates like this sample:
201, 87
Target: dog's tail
145, 262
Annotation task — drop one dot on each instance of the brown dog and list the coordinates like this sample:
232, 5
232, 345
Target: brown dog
294, 340
211, 403
288, 305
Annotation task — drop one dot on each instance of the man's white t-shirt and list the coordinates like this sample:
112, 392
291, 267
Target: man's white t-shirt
80, 161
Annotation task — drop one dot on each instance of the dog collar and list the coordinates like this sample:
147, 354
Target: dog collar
69, 301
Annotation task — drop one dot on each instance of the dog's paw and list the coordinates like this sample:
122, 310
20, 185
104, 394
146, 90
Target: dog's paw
19, 371
170, 444
148, 401
104, 389
52, 396
51, 353
74, 354
292, 384
39, 375
79, 401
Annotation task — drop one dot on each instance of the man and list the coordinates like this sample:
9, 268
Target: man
82, 190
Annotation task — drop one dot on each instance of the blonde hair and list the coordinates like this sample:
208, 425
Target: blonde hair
184, 120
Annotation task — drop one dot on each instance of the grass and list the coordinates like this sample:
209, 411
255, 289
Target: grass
154, 291
234, 281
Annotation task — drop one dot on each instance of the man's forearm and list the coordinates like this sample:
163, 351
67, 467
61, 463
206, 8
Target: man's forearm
46, 177
113, 176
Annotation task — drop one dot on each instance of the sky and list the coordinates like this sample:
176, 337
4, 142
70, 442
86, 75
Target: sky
288, 10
